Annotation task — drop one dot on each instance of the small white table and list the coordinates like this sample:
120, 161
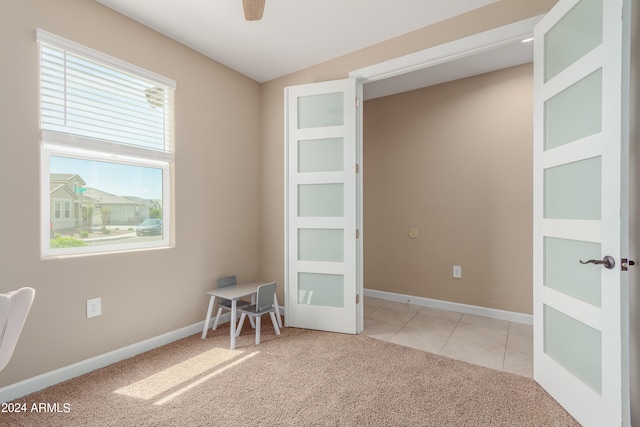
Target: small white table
234, 293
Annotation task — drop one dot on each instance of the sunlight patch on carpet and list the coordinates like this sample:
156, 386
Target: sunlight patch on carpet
203, 379
175, 375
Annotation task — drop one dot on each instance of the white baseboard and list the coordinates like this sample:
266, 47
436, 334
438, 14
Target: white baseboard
511, 316
31, 385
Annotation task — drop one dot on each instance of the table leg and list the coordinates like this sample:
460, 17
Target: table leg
277, 308
208, 319
253, 301
233, 323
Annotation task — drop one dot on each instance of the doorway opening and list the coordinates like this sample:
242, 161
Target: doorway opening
480, 54
410, 235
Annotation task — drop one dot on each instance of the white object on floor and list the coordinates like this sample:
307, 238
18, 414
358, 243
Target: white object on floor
14, 308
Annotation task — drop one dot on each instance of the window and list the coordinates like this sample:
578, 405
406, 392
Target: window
106, 151
56, 208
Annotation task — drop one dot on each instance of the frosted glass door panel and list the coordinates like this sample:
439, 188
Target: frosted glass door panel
574, 113
575, 346
324, 200
321, 289
321, 155
573, 36
315, 111
564, 273
574, 190
320, 244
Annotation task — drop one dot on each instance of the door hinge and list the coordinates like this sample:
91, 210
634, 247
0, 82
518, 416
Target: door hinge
357, 103
357, 299
626, 263
357, 233
357, 168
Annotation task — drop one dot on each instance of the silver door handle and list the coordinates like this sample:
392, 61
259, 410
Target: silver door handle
607, 261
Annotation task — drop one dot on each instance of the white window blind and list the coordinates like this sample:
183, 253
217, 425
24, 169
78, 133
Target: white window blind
94, 101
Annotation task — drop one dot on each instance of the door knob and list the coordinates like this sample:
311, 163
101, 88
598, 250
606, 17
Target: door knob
607, 261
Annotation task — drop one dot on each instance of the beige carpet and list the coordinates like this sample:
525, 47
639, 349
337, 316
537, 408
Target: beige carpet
302, 378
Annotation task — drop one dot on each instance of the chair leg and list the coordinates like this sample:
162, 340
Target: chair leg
258, 329
215, 322
239, 327
277, 309
253, 301
275, 322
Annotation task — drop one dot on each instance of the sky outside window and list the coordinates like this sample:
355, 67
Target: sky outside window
114, 178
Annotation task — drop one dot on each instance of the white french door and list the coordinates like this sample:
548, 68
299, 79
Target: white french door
323, 269
578, 140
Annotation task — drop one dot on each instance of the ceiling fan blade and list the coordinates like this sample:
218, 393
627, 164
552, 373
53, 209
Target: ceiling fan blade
253, 9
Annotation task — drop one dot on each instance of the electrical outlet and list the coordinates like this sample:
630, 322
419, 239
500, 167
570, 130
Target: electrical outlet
94, 307
457, 272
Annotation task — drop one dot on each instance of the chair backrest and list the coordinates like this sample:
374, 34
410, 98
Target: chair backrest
14, 308
264, 300
226, 281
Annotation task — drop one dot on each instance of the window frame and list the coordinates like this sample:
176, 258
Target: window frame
63, 144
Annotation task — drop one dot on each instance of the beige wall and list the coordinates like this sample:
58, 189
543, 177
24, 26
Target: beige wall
144, 294
272, 123
455, 162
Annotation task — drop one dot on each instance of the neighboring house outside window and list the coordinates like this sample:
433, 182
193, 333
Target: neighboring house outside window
61, 192
106, 151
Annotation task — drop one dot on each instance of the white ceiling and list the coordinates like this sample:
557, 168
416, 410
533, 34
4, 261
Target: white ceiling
293, 34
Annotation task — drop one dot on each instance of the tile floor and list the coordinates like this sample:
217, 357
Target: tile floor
497, 344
